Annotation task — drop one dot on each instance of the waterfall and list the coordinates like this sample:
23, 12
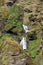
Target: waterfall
23, 43
25, 27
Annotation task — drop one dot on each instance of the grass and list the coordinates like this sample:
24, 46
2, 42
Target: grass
4, 37
33, 46
14, 12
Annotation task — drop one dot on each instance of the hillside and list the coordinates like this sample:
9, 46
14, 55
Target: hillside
13, 15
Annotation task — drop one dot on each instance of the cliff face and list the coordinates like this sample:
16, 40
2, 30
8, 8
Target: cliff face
13, 14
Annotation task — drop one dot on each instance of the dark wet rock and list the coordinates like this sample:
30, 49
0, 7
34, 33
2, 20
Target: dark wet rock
41, 47
15, 54
9, 3
27, 10
13, 33
32, 37
32, 18
14, 1
41, 0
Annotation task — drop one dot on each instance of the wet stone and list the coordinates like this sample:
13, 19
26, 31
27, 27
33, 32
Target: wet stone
32, 18
41, 0
14, 1
27, 10
9, 3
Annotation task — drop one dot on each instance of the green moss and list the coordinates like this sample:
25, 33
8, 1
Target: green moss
15, 12
4, 37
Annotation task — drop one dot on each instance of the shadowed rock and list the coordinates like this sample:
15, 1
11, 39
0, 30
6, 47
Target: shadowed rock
27, 10
41, 0
14, 1
9, 3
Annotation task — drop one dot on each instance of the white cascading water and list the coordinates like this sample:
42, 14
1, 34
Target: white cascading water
23, 42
